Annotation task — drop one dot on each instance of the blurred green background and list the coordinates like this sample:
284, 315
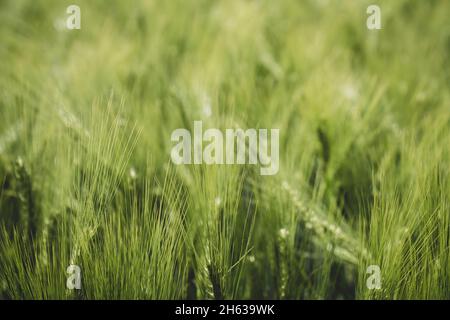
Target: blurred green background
85, 123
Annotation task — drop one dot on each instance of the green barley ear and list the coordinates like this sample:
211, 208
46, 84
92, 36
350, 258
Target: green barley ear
325, 144
192, 286
29, 216
214, 277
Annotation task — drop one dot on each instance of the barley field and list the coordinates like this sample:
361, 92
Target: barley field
360, 205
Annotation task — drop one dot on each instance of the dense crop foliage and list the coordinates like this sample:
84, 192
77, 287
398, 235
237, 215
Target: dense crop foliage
86, 179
